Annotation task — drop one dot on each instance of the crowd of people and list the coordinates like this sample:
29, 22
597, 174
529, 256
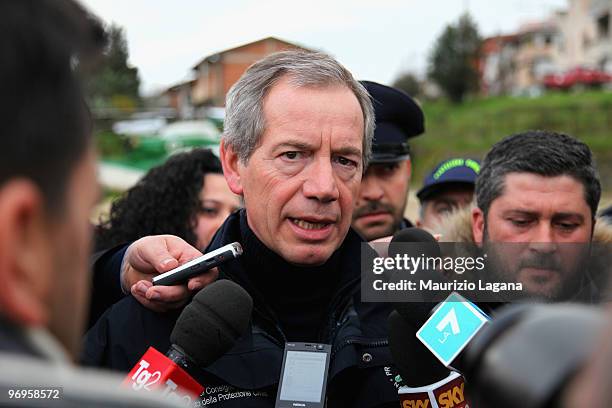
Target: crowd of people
313, 164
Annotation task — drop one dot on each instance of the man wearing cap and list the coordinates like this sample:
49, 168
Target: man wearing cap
448, 187
384, 187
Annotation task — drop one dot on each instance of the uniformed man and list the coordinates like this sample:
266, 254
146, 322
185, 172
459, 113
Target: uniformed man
384, 187
448, 187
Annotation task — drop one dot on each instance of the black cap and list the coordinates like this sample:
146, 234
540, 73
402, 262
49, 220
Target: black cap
398, 118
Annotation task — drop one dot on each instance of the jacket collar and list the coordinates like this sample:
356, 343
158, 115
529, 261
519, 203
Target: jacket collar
348, 287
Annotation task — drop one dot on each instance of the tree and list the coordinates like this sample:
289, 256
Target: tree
452, 62
408, 83
113, 83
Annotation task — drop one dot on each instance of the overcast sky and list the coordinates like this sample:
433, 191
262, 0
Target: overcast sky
376, 40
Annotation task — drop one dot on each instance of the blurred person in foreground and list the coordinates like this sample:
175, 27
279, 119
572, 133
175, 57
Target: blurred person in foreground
296, 141
539, 192
47, 190
447, 188
384, 188
187, 196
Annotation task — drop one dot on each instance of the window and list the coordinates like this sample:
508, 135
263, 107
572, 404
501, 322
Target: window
603, 26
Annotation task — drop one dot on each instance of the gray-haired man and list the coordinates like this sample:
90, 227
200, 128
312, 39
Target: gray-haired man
297, 138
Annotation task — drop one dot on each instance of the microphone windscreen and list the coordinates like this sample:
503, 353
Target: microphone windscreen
210, 325
413, 235
416, 364
422, 243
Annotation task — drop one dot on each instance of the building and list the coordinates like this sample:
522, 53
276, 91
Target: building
216, 73
497, 67
600, 50
577, 37
178, 97
536, 55
517, 63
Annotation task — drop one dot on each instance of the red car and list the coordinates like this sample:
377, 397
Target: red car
577, 76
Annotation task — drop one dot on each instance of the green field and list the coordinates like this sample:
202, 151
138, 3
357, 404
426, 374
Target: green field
471, 128
452, 130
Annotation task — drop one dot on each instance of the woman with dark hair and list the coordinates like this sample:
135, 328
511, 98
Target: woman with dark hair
187, 196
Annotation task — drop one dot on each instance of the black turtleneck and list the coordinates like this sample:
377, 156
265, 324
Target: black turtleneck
299, 296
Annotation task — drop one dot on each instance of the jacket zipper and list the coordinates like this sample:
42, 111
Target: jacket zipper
348, 342
336, 312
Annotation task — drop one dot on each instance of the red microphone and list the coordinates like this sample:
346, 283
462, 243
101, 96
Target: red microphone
154, 371
206, 329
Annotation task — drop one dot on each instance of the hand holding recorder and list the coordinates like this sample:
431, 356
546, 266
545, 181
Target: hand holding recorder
159, 254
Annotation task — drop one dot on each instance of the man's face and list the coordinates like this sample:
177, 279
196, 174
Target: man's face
300, 183
382, 199
541, 217
70, 241
444, 202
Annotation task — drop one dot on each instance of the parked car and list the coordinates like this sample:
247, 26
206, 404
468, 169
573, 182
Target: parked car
579, 76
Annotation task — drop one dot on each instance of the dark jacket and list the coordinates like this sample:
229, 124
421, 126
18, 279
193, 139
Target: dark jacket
248, 375
106, 285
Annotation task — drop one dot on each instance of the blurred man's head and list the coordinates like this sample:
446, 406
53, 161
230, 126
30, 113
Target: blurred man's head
384, 187
297, 136
448, 187
47, 166
538, 190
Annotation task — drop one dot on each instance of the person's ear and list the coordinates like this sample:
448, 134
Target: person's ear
24, 254
478, 225
231, 164
409, 169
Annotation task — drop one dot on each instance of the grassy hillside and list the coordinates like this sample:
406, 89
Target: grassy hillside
470, 129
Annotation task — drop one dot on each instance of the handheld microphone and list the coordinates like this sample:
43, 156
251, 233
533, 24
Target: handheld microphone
424, 244
207, 328
416, 314
428, 382
528, 353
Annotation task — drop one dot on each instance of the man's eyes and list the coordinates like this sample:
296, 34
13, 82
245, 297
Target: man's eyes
343, 161
444, 209
292, 155
389, 168
565, 226
568, 226
520, 222
297, 155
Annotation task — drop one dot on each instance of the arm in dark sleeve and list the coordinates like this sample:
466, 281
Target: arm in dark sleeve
94, 347
106, 287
